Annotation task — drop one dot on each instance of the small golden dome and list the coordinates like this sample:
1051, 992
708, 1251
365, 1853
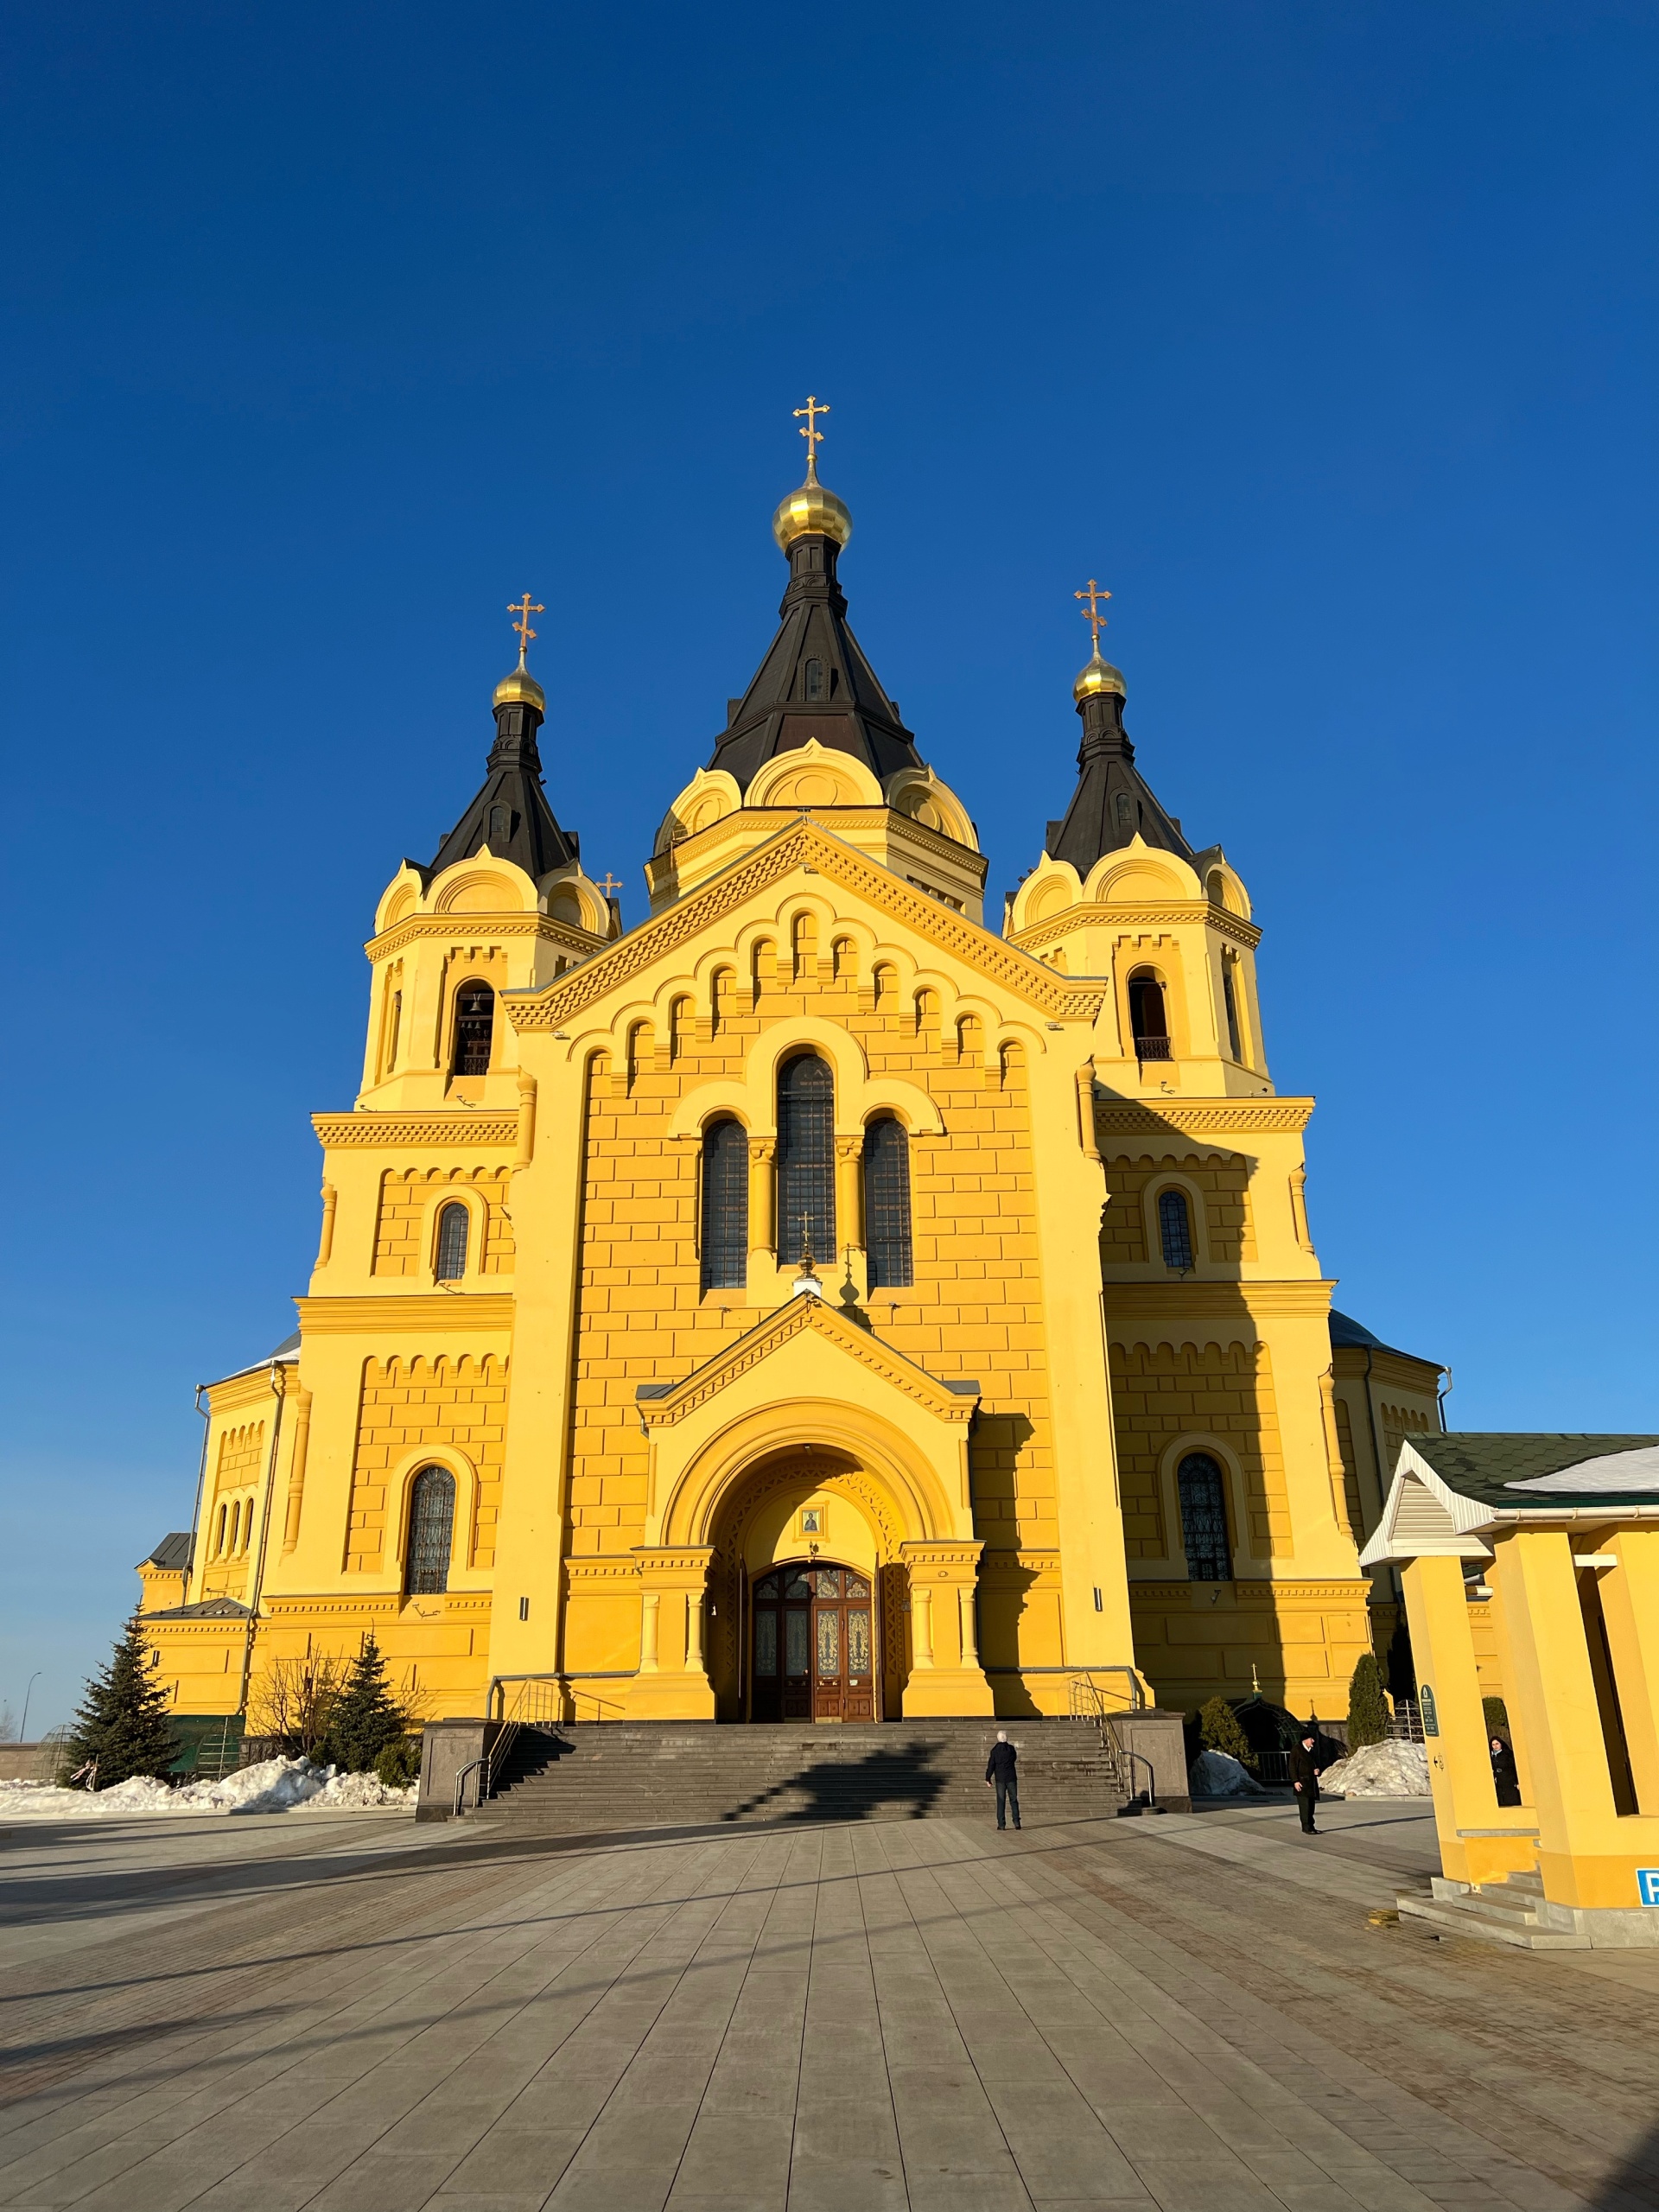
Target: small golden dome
1099, 676
520, 688
812, 511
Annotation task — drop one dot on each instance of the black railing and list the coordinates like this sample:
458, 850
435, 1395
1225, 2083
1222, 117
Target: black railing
1153, 1048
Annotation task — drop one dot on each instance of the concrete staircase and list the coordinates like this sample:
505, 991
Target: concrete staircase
590, 1778
1510, 1911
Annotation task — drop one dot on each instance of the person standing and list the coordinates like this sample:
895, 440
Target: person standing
1305, 1778
1001, 1774
1506, 1780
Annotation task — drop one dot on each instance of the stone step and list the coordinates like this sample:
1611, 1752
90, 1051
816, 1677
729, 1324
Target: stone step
1467, 1916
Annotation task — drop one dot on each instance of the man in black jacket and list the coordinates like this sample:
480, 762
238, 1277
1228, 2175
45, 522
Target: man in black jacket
1305, 1778
1002, 1771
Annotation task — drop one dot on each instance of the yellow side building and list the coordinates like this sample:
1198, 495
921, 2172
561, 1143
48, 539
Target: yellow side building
812, 1302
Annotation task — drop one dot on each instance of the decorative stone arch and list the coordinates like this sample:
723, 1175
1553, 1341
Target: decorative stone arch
1134, 872
1166, 1178
1051, 887
710, 795
463, 1537
811, 776
752, 1099
482, 886
1238, 1492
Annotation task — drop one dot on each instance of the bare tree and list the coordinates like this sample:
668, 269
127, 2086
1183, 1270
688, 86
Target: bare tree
296, 1701
8, 1723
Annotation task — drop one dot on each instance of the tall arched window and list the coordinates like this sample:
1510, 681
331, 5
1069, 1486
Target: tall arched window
1229, 995
887, 1203
1147, 1019
815, 679
475, 1028
724, 1227
451, 1262
431, 1527
806, 1159
1203, 1519
1175, 1230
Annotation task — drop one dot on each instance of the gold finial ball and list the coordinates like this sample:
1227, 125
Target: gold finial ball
811, 511
1099, 676
520, 688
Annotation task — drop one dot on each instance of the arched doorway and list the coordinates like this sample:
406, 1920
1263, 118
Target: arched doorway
813, 1646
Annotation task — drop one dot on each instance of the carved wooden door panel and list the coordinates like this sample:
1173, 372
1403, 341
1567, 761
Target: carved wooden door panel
814, 1645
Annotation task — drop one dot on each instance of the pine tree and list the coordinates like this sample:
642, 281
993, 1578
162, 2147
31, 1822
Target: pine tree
367, 1717
1219, 1726
123, 1723
1368, 1714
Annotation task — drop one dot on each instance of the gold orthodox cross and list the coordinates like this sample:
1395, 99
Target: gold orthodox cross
523, 610
1094, 618
813, 435
612, 884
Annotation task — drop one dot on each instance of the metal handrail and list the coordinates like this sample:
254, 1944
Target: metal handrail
1137, 1699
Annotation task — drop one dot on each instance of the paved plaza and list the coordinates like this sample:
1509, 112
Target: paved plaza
1195, 2014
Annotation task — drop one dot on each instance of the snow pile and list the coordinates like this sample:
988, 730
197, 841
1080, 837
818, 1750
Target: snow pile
273, 1786
1218, 1774
1390, 1769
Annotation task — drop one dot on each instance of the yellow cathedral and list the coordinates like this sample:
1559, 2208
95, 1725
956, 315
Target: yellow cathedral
819, 1302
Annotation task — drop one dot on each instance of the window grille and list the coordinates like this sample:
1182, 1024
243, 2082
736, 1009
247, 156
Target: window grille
886, 1203
1175, 1230
806, 1157
1203, 1519
452, 1244
474, 1028
815, 679
725, 1222
431, 1528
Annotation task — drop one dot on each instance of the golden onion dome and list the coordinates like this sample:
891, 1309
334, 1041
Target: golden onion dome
519, 688
1099, 676
814, 511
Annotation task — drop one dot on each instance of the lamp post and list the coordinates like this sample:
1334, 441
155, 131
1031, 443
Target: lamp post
23, 1726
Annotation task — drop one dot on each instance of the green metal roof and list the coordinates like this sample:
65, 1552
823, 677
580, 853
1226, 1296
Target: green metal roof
1483, 1465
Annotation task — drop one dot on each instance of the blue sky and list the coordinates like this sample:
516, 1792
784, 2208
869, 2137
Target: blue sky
1323, 335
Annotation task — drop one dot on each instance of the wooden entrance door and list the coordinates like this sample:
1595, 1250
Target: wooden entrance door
814, 1644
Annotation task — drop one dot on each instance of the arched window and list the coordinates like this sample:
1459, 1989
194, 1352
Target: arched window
219, 1538
1147, 1019
724, 1227
1203, 1519
815, 679
500, 829
1125, 809
247, 1523
1229, 995
806, 1159
451, 1263
886, 1203
474, 1028
431, 1527
1175, 1230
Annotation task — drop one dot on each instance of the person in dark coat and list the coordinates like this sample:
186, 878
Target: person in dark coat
1505, 1778
1305, 1778
1001, 1773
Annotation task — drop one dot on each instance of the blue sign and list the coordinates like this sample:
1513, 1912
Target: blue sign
1647, 1884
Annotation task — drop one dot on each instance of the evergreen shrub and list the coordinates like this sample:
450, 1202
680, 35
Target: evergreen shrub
123, 1728
1497, 1717
365, 1716
399, 1765
1368, 1711
1219, 1729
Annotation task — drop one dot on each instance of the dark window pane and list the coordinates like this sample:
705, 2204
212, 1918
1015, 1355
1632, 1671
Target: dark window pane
475, 1025
431, 1526
806, 1159
765, 1642
725, 1227
452, 1244
1175, 1228
886, 1203
815, 679
1147, 1016
798, 1646
1203, 1519
1227, 993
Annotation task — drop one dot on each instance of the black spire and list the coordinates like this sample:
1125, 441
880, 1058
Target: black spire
510, 814
1113, 801
814, 682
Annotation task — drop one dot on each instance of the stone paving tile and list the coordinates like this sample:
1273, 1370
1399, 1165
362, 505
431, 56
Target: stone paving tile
1189, 2014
